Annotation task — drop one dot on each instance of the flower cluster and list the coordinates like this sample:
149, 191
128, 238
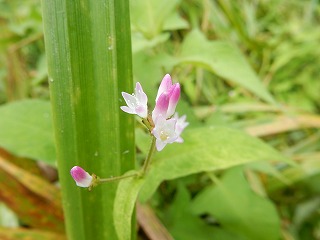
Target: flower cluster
164, 124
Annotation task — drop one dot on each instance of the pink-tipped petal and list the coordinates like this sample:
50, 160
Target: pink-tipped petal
165, 85
161, 106
174, 96
81, 177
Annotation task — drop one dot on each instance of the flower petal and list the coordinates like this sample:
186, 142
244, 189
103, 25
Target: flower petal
128, 110
131, 101
140, 94
142, 111
165, 85
161, 106
160, 145
174, 95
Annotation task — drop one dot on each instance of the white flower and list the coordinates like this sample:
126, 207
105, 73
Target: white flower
137, 102
164, 132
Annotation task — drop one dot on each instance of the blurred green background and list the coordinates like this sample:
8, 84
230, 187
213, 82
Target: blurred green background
248, 64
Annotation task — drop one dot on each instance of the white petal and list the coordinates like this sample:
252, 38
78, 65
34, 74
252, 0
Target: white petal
131, 101
171, 124
160, 121
85, 182
128, 110
140, 94
155, 132
160, 145
142, 111
179, 140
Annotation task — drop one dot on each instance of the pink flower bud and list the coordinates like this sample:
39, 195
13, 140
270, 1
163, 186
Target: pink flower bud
174, 95
161, 107
165, 85
82, 178
167, 102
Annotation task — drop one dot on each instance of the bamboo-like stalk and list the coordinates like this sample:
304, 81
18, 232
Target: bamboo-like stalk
89, 64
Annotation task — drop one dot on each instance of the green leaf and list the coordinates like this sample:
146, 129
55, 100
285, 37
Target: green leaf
205, 149
126, 197
26, 130
223, 59
149, 16
139, 42
182, 223
174, 22
149, 71
237, 208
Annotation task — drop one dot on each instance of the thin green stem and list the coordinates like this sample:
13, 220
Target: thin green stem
148, 159
113, 179
148, 122
213, 177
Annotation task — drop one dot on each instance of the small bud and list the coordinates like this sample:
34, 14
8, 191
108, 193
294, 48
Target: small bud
81, 177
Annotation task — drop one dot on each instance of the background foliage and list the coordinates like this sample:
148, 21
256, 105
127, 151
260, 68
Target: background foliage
248, 69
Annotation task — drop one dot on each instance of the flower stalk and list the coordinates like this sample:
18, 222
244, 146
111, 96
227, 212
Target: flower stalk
149, 156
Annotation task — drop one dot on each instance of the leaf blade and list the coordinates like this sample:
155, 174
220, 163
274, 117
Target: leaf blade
205, 149
126, 196
26, 130
238, 216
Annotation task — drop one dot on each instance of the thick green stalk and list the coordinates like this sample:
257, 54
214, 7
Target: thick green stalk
89, 64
